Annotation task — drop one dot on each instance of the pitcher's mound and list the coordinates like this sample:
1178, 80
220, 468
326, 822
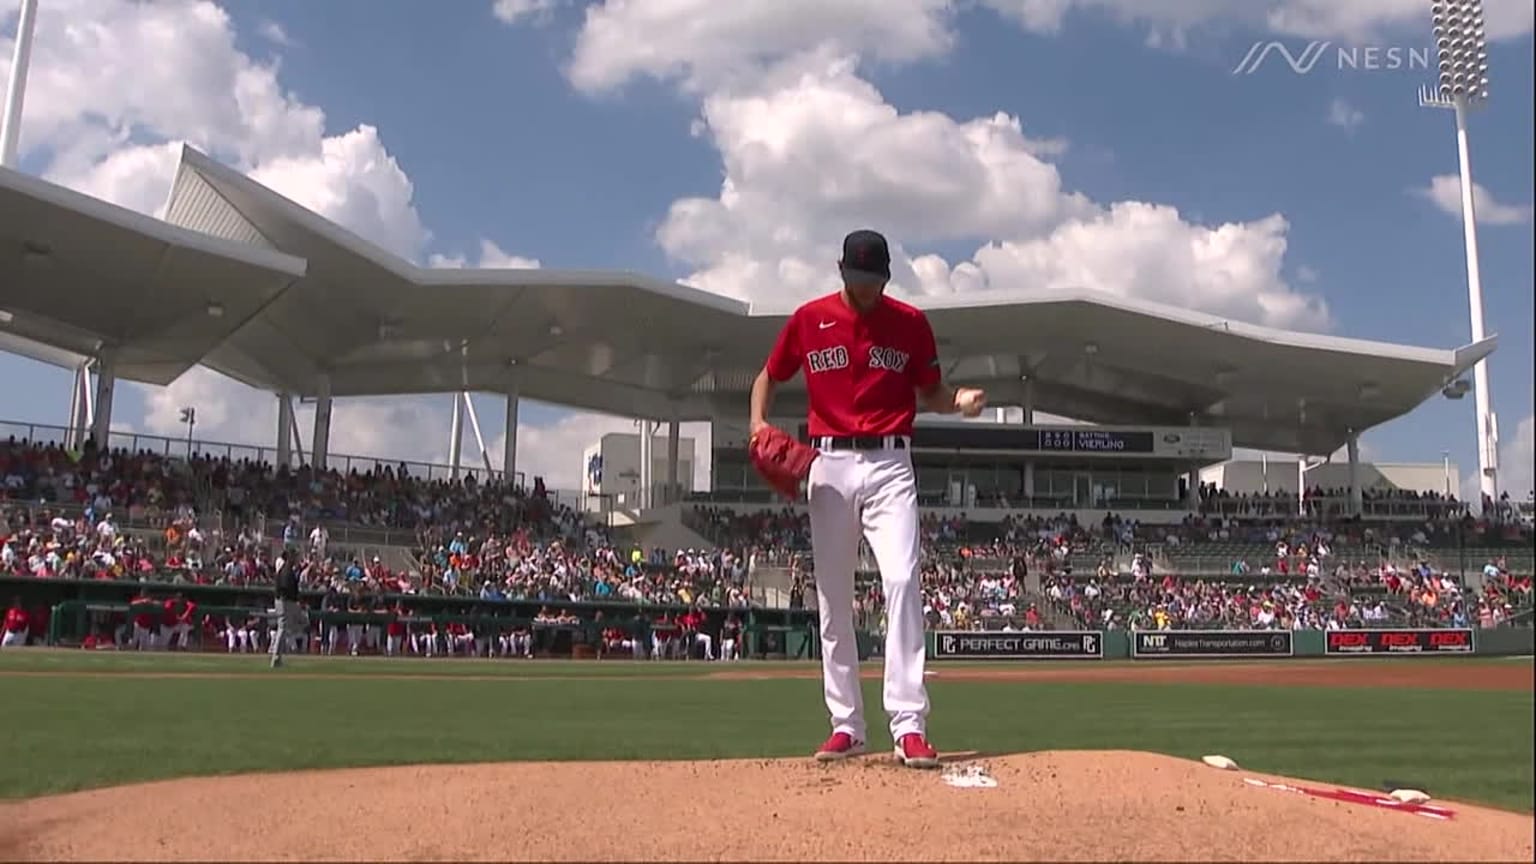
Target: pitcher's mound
1037, 806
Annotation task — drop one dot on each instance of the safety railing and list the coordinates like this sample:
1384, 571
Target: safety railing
1039, 504
186, 448
131, 519
345, 534
1332, 507
1226, 566
217, 525
1234, 508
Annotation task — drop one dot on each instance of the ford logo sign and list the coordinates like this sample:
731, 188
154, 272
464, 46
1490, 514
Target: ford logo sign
1171, 438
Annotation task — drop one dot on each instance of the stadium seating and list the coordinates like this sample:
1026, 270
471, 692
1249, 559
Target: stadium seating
1237, 562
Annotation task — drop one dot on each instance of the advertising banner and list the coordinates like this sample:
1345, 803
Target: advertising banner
1351, 643
1035, 645
1211, 643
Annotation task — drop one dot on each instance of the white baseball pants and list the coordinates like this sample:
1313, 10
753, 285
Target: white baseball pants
872, 493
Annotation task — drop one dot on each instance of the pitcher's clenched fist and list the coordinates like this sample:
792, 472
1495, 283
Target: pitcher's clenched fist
969, 401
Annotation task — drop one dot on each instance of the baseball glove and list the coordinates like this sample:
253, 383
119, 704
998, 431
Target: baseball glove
782, 461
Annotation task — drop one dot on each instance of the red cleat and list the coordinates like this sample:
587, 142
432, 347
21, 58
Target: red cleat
914, 751
840, 746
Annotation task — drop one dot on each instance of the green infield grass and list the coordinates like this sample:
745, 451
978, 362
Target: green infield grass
223, 715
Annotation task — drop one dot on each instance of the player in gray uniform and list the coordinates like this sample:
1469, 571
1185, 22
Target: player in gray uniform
291, 618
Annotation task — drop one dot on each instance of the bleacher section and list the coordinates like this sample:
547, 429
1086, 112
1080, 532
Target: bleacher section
205, 521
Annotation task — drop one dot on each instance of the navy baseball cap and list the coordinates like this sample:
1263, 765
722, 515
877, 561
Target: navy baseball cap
866, 257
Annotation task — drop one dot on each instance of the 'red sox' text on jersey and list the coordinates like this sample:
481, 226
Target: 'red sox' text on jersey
862, 371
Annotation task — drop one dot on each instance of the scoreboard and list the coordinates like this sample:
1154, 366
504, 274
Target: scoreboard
1086, 441
1167, 442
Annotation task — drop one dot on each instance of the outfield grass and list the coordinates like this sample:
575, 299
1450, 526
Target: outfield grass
67, 661
69, 732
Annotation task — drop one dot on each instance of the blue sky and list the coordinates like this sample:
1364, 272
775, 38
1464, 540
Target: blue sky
499, 144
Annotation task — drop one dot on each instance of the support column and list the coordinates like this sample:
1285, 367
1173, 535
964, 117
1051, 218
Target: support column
1487, 422
1356, 494
1028, 402
320, 446
1301, 484
509, 437
645, 465
16, 90
1193, 497
456, 437
75, 435
106, 382
674, 432
284, 430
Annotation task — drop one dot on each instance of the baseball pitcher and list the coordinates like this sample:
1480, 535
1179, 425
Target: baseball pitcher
869, 362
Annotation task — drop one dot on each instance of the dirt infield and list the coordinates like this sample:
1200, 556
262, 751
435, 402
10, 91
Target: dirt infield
1044, 806
1289, 673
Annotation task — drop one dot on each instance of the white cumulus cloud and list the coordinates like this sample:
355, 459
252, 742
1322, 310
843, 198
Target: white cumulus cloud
116, 86
1517, 460
705, 44
492, 257
1169, 21
1344, 115
813, 149
273, 32
518, 11
1444, 191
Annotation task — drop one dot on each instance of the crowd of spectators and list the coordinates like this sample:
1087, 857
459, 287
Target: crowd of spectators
1292, 572
62, 516
68, 515
1303, 587
517, 567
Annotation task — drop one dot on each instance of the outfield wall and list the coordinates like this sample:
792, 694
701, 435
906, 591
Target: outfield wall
1152, 645
74, 604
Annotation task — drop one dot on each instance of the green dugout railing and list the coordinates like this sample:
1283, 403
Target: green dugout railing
767, 632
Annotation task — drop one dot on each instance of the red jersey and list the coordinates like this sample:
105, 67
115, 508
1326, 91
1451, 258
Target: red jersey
15, 620
142, 616
862, 370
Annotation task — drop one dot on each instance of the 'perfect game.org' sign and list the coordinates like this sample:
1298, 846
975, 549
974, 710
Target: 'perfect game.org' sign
1033, 645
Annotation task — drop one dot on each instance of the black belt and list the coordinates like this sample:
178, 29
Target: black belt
861, 442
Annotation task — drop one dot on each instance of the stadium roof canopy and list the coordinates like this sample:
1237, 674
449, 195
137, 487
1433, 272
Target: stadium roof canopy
250, 284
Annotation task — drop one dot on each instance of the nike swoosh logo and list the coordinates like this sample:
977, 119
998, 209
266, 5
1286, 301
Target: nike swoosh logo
825, 324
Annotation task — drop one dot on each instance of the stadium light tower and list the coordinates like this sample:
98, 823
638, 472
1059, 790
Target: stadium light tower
16, 90
1462, 45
